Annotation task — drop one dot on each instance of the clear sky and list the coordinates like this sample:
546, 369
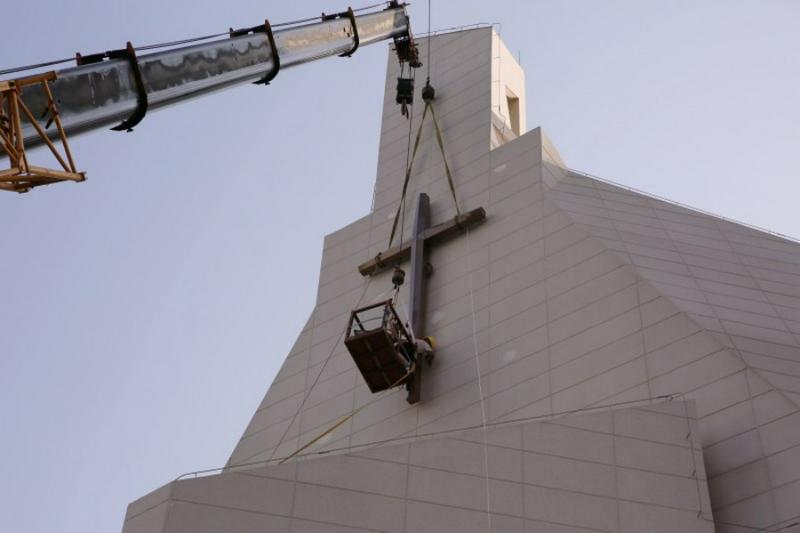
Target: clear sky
144, 312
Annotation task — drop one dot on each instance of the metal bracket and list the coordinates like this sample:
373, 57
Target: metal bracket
88, 60
356, 41
129, 53
276, 60
404, 45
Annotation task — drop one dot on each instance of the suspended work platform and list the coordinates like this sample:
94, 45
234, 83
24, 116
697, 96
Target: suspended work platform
381, 347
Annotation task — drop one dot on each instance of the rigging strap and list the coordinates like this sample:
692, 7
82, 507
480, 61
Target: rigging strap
448, 173
444, 158
408, 175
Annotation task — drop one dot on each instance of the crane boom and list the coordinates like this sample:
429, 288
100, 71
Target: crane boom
118, 87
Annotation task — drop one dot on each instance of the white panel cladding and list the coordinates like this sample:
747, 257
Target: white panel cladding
579, 473
561, 321
730, 343
508, 95
462, 74
575, 294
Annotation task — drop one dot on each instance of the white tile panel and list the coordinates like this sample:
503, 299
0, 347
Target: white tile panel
574, 293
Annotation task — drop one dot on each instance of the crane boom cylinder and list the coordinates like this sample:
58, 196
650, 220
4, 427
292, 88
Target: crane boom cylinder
109, 92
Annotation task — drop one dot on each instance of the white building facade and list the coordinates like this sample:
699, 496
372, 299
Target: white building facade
606, 361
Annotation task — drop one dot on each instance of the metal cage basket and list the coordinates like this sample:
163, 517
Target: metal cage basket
380, 345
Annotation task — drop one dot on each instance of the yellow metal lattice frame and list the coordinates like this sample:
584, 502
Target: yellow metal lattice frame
20, 176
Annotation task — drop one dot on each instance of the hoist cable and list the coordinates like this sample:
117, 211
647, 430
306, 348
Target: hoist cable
402, 223
429, 41
38, 65
408, 153
436, 123
408, 175
182, 41
410, 163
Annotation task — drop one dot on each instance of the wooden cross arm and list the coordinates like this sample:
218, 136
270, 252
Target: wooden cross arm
435, 234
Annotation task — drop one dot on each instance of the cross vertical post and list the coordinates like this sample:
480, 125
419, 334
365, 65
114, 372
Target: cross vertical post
417, 288
414, 250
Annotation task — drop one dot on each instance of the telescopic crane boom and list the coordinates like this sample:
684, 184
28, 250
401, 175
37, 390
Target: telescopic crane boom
119, 87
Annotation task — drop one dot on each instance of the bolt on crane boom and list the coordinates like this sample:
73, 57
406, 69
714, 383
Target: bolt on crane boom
121, 86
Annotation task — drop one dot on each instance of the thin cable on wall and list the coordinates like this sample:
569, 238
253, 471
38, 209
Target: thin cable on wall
404, 438
484, 420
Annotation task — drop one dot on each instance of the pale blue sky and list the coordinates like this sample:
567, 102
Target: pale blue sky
144, 312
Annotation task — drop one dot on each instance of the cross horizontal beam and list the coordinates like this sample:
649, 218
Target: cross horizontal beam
435, 234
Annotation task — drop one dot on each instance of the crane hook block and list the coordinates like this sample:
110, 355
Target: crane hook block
405, 93
398, 276
428, 93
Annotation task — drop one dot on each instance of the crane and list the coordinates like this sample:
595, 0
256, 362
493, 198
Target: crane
119, 87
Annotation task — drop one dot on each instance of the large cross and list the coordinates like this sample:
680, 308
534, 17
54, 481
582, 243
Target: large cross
416, 249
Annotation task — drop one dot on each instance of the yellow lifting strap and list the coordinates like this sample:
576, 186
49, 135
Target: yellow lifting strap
444, 158
344, 419
440, 142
